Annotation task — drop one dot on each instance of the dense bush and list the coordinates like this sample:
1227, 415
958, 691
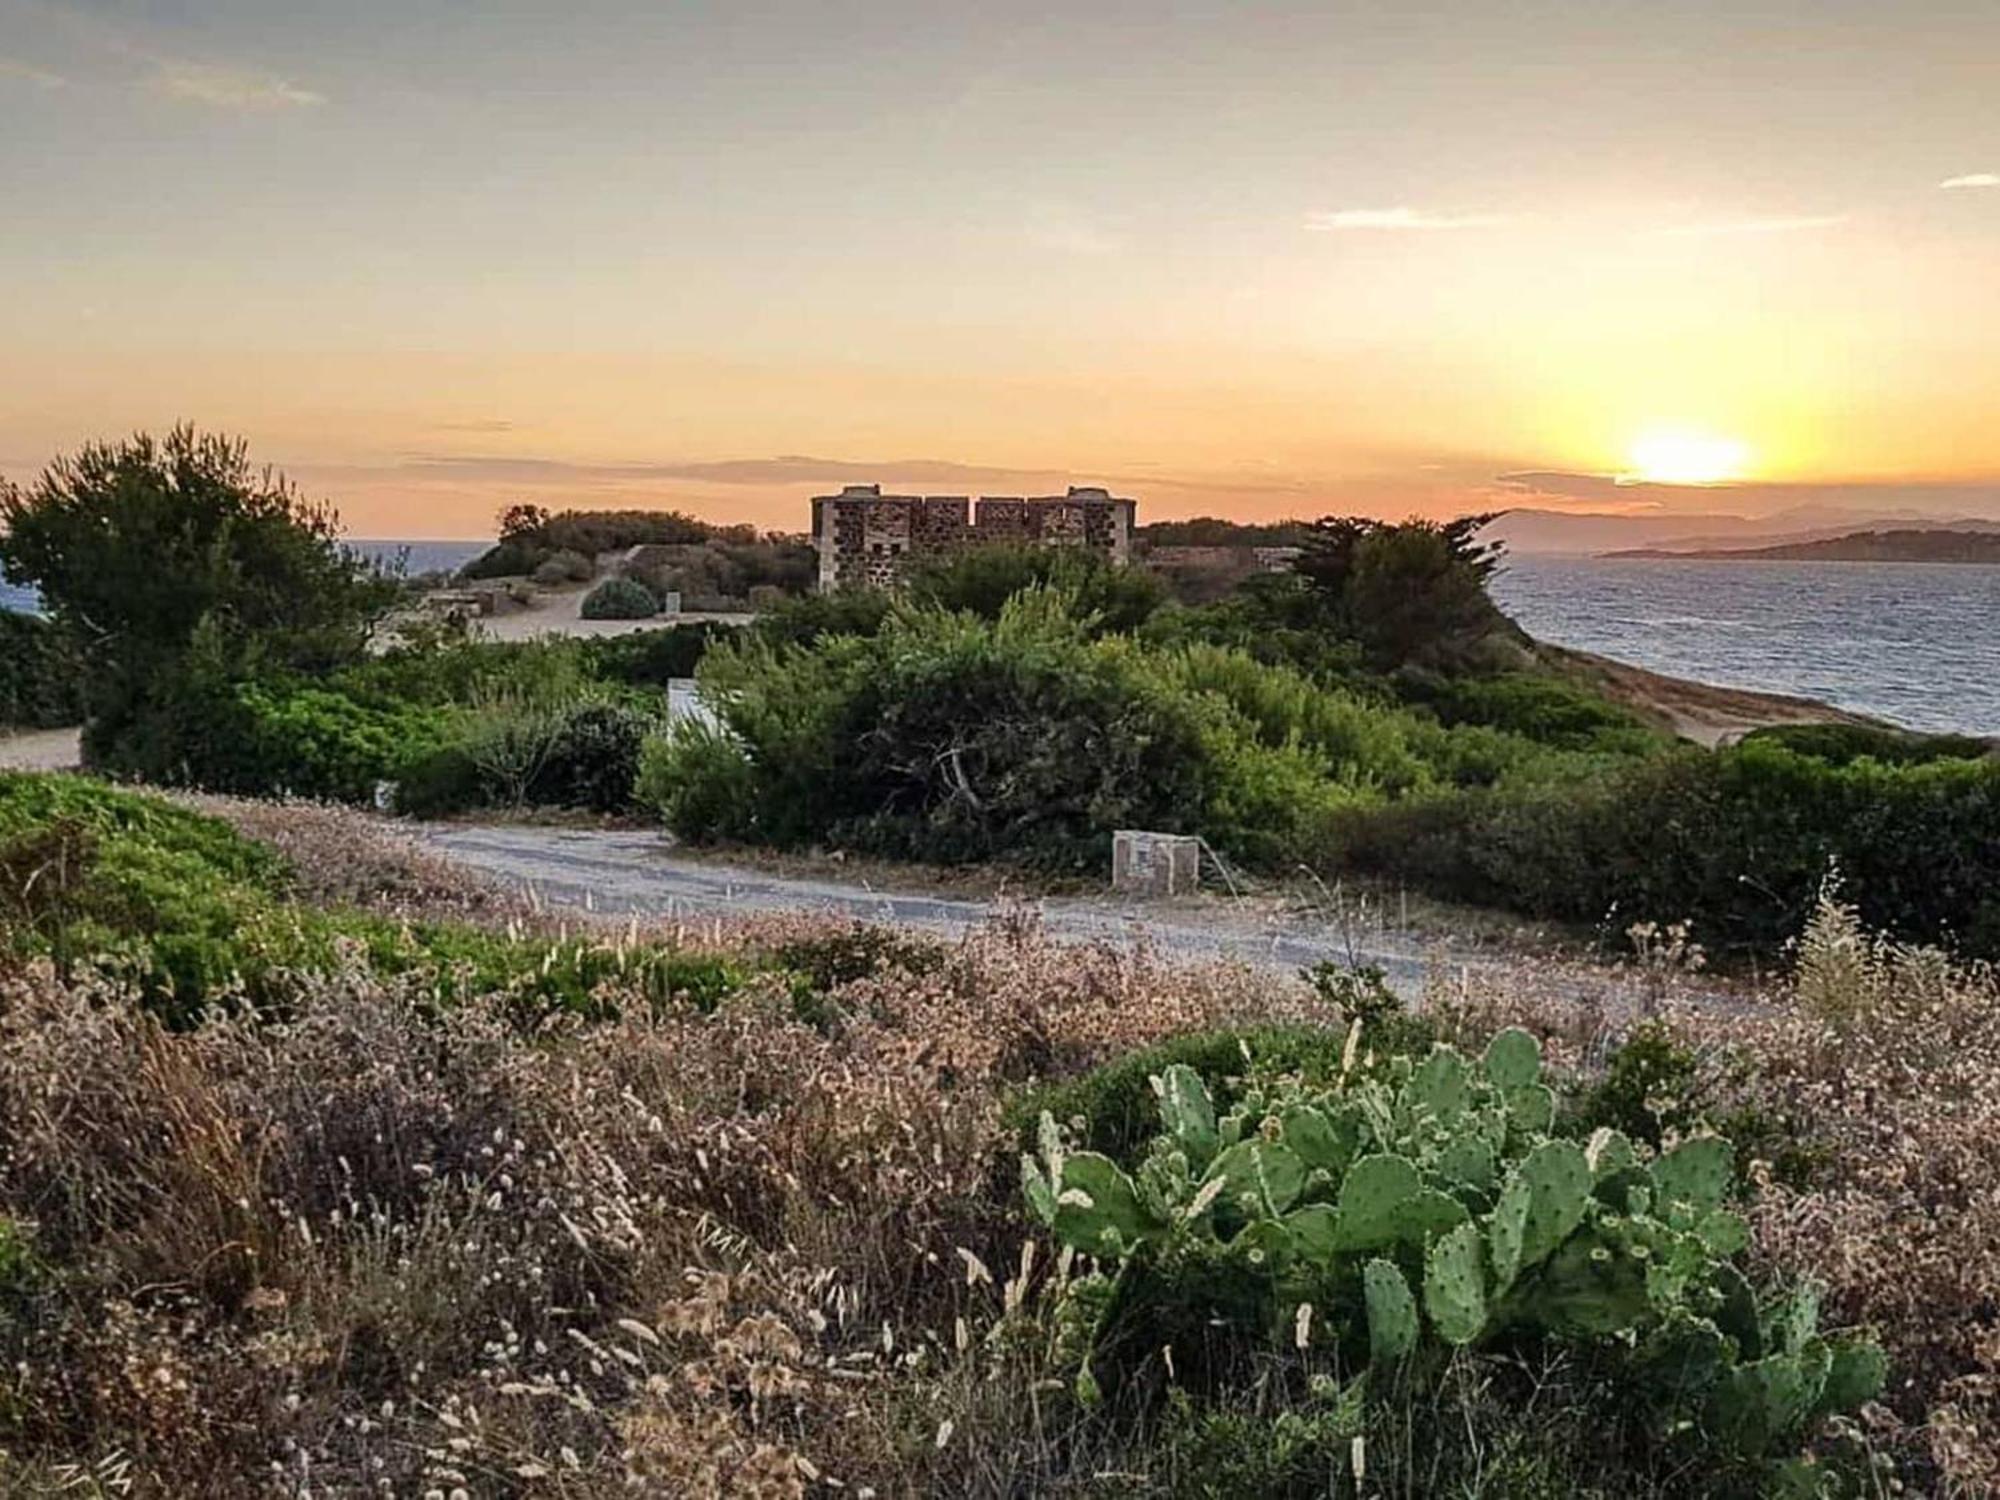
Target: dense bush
1839, 744
563, 567
158, 552
619, 599
943, 737
953, 737
594, 762
804, 621
41, 674
507, 559
1412, 594
653, 658
983, 579
1539, 706
582, 755
1739, 842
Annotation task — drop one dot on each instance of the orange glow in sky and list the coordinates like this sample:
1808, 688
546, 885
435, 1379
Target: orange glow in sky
1263, 260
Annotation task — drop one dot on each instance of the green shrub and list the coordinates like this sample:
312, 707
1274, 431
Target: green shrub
173, 558
653, 658
807, 620
446, 781
983, 579
507, 559
943, 737
594, 762
619, 599
1537, 706
1404, 1209
317, 742
1841, 744
1739, 842
41, 674
179, 902
196, 915
559, 568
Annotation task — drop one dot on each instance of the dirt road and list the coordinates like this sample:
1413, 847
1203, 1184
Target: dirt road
620, 873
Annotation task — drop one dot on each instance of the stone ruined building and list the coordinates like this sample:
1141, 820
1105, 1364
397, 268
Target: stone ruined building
868, 539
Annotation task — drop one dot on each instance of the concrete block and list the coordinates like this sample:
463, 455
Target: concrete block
1154, 864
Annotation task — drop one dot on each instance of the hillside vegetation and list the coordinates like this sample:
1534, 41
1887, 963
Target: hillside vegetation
712, 568
832, 1206
1369, 713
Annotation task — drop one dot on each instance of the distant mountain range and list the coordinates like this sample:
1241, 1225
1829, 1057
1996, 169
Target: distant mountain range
1907, 544
1592, 533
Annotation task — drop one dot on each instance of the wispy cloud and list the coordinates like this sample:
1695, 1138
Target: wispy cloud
1787, 224
225, 87
1973, 180
1400, 218
478, 424
29, 73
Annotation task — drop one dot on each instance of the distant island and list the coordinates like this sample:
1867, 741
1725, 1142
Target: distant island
1858, 546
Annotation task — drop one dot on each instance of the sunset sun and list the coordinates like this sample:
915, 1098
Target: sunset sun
1678, 455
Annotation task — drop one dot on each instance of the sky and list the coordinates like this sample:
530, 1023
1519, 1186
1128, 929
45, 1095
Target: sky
1247, 259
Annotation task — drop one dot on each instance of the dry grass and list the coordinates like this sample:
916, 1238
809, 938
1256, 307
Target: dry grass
371, 1249
375, 1249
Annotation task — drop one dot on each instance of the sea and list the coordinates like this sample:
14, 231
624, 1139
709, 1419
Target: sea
1914, 643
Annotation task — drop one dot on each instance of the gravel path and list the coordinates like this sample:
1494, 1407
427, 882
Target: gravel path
621, 873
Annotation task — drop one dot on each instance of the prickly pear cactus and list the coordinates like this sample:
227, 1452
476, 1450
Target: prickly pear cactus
1696, 1172
1187, 1112
1392, 1313
1428, 1204
1455, 1285
1513, 1060
1325, 1140
1439, 1086
1373, 1197
1467, 1160
1098, 1207
1542, 1203
1259, 1177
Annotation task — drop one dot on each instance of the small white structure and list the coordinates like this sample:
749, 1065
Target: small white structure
1154, 864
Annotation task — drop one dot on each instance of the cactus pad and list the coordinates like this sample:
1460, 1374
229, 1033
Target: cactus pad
1468, 1160
1324, 1140
1259, 1177
1392, 1313
1187, 1112
1315, 1233
1513, 1059
1373, 1196
1439, 1085
1609, 1152
1098, 1208
1697, 1172
1455, 1286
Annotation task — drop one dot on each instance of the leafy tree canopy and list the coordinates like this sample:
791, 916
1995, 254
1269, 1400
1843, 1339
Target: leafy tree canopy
142, 546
